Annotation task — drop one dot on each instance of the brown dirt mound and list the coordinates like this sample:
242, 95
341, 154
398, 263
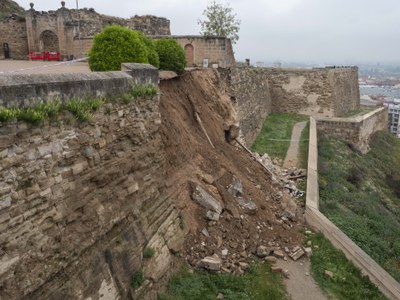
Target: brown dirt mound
193, 161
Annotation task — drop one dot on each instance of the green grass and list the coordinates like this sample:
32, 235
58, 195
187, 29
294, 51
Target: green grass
347, 281
303, 147
259, 283
276, 126
149, 252
81, 109
361, 195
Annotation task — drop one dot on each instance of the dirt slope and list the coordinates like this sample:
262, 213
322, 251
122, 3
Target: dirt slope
193, 161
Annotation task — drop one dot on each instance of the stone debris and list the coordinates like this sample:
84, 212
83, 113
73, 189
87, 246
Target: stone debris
248, 205
271, 259
220, 296
297, 253
262, 251
328, 274
279, 254
276, 269
211, 263
308, 252
204, 199
212, 216
236, 187
205, 232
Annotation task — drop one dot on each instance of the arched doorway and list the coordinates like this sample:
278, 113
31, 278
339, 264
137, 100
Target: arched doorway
189, 53
49, 41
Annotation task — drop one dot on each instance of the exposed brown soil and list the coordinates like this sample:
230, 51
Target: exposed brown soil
192, 159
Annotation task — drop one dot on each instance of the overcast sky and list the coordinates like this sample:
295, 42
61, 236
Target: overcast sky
318, 31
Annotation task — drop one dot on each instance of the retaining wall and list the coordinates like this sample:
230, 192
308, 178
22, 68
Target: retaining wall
357, 130
79, 203
386, 283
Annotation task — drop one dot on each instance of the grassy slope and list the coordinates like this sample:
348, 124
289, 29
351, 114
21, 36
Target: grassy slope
8, 8
276, 126
361, 195
347, 281
259, 283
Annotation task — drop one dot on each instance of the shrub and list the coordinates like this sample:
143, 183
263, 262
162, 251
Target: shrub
171, 54
116, 45
152, 53
149, 252
137, 280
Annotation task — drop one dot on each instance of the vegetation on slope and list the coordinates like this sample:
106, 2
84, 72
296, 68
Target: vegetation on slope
347, 281
259, 283
274, 137
361, 195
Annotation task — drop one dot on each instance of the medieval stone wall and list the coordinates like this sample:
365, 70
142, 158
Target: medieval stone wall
316, 92
356, 130
251, 93
79, 202
217, 50
13, 32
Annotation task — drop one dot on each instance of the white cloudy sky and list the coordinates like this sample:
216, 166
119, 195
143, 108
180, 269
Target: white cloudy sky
319, 31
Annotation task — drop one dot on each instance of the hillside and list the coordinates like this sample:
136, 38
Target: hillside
9, 7
361, 195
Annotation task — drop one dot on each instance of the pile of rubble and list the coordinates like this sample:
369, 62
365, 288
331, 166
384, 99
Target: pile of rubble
287, 178
238, 232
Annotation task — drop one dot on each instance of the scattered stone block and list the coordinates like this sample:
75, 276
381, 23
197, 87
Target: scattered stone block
308, 252
212, 216
248, 205
328, 274
271, 259
279, 254
243, 265
204, 199
276, 269
262, 251
297, 253
211, 263
236, 187
224, 252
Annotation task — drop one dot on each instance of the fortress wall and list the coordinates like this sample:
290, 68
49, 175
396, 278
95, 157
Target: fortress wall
357, 130
252, 96
13, 32
79, 203
324, 92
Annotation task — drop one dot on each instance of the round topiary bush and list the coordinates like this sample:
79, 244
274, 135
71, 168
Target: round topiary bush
116, 45
171, 54
152, 53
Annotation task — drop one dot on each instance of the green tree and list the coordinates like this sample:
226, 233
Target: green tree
171, 54
221, 21
116, 45
152, 56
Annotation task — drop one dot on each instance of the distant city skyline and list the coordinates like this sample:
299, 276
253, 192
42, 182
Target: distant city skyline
308, 31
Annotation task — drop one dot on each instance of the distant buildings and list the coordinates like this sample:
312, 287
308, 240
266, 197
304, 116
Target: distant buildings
394, 113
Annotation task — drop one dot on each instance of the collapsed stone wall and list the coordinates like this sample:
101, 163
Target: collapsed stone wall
13, 32
80, 202
251, 93
357, 130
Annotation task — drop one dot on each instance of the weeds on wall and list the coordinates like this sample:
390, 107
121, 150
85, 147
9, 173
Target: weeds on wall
81, 109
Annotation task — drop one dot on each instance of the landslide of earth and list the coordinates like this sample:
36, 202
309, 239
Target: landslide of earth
214, 165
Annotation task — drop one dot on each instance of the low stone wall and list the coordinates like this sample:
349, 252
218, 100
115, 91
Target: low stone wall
28, 90
251, 93
357, 130
386, 283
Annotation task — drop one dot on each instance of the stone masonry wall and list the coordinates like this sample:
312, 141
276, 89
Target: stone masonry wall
357, 130
251, 92
13, 32
79, 202
26, 90
324, 92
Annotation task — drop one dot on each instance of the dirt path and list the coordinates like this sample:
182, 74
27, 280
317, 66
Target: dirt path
301, 285
291, 159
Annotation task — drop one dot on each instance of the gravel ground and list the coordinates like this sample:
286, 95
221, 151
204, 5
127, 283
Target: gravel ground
41, 67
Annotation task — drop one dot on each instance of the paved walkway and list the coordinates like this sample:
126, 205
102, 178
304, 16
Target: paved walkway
41, 67
291, 159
